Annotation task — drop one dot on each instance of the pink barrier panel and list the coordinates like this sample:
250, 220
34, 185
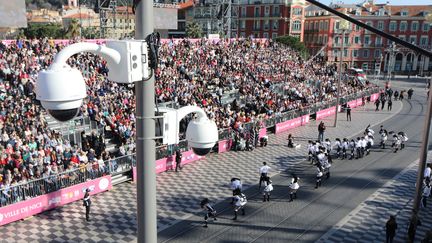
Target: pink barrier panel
353, 103
374, 97
262, 132
169, 162
359, 102
52, 200
286, 125
325, 113
224, 145
305, 119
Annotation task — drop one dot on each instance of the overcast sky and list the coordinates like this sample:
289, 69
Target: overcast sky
392, 2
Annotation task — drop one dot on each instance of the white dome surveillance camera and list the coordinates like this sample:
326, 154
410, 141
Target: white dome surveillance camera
202, 134
61, 90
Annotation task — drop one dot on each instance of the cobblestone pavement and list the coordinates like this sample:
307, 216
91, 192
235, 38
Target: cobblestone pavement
178, 194
367, 222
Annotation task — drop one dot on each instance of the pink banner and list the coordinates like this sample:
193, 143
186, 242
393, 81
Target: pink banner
52, 200
224, 145
374, 97
353, 103
286, 125
325, 113
262, 132
169, 162
305, 119
359, 102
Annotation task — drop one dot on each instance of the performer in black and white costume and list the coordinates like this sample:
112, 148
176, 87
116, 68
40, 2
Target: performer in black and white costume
264, 170
236, 187
353, 147
294, 186
311, 150
318, 175
240, 201
403, 138
358, 148
345, 148
384, 137
396, 142
210, 211
363, 145
338, 147
327, 145
369, 143
267, 189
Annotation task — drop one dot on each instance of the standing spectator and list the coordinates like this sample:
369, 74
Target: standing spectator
427, 173
348, 112
413, 223
391, 227
389, 105
426, 194
87, 203
377, 103
178, 160
321, 130
410, 93
396, 95
383, 101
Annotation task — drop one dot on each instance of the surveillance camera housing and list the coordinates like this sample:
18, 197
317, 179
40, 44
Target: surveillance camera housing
61, 90
201, 134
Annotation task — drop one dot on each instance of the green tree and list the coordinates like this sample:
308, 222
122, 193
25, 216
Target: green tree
193, 30
294, 43
90, 33
37, 30
73, 29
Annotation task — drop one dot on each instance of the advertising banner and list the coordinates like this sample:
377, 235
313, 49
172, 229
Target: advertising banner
305, 119
359, 102
224, 145
52, 200
286, 125
374, 97
262, 132
352, 104
325, 113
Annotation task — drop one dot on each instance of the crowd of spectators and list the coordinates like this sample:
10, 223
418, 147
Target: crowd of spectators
190, 73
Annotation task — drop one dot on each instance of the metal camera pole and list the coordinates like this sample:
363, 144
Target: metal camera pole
145, 144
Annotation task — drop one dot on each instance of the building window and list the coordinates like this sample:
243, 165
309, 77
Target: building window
345, 53
274, 35
276, 11
321, 25
366, 53
377, 53
424, 41
346, 40
381, 25
242, 24
257, 25
325, 39
402, 37
257, 11
265, 35
297, 11
275, 24
316, 25
266, 24
378, 41
425, 27
404, 13
403, 26
357, 28
326, 25
392, 26
413, 39
366, 40
267, 11
296, 25
320, 39
243, 11
414, 26
355, 53
357, 39
242, 34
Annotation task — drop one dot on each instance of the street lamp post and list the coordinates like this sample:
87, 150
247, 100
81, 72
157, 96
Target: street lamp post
145, 144
343, 26
423, 155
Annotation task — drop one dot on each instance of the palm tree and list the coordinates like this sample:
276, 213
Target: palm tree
74, 29
193, 30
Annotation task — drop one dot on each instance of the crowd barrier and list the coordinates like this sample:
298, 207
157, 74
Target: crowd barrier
52, 200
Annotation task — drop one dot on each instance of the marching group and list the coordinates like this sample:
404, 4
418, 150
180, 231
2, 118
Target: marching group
320, 154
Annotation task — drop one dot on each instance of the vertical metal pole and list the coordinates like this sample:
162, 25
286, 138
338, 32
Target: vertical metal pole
145, 145
340, 77
422, 161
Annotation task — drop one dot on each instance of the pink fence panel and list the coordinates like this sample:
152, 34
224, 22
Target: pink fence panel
353, 103
262, 132
286, 125
359, 102
374, 97
52, 200
305, 119
224, 145
325, 113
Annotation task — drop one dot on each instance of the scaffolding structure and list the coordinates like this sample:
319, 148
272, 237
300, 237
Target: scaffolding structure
108, 9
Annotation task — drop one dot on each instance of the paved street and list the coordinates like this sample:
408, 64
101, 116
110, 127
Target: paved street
306, 219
